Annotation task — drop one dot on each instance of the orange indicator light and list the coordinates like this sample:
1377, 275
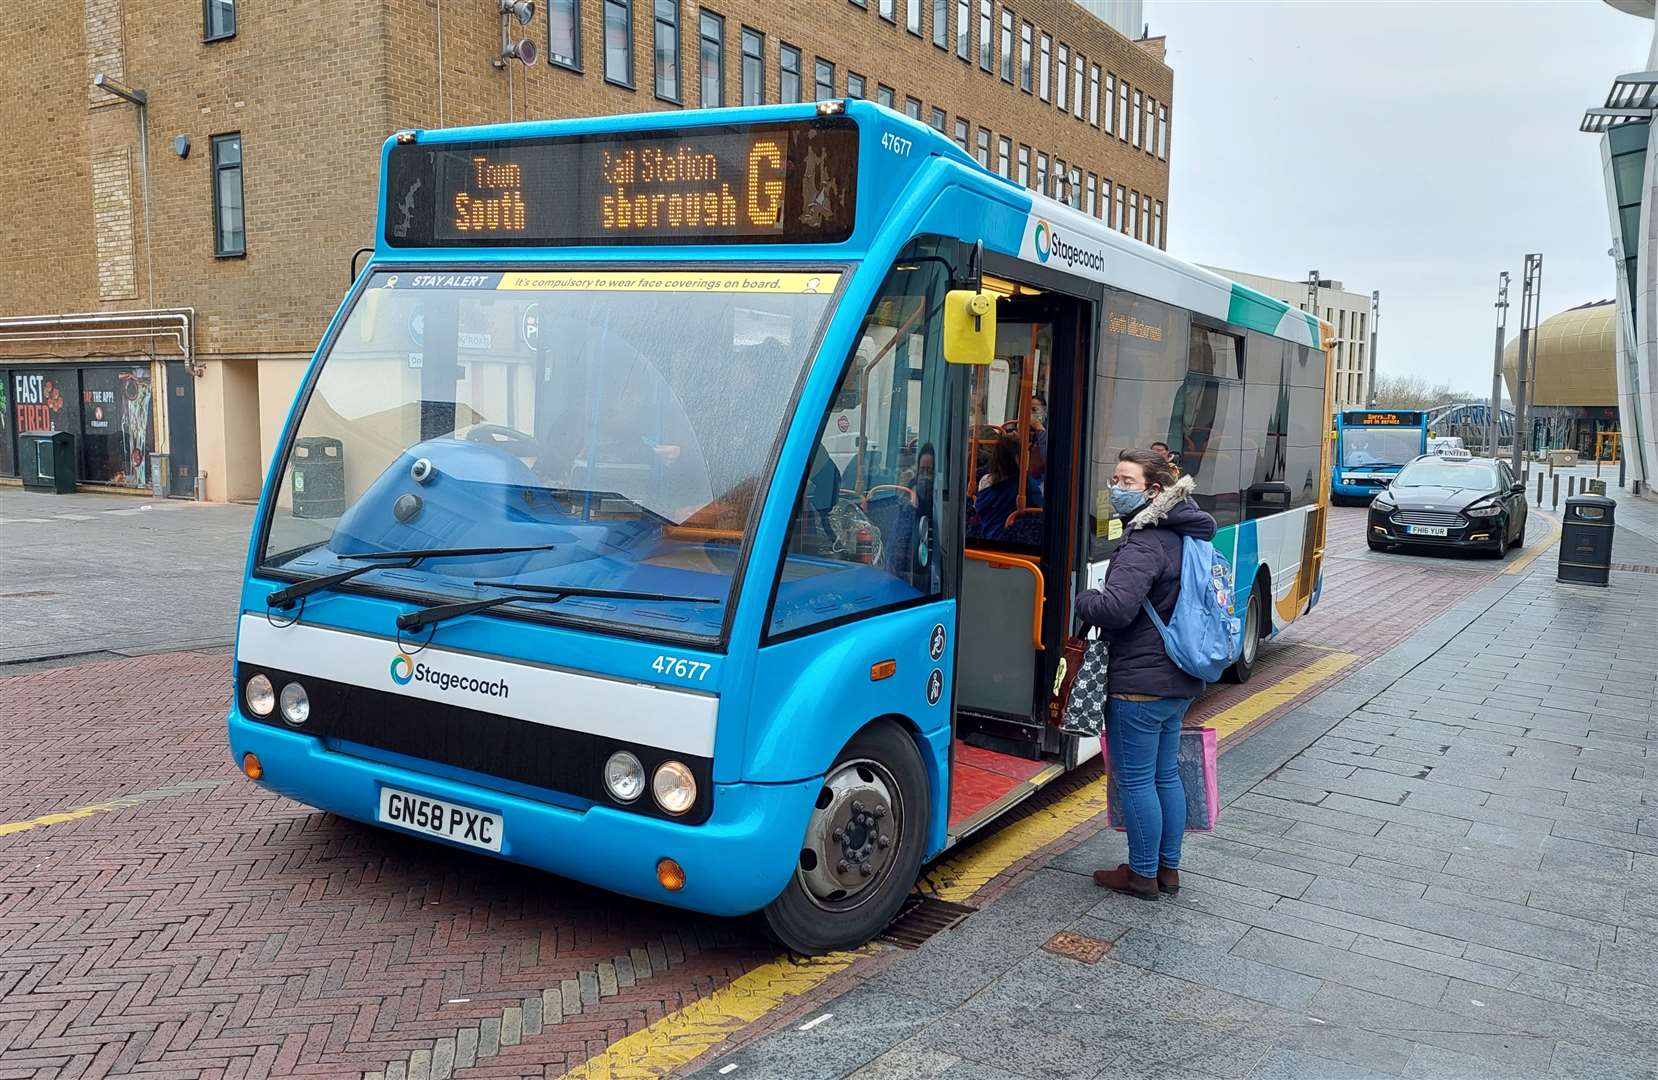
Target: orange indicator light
670, 875
884, 670
251, 766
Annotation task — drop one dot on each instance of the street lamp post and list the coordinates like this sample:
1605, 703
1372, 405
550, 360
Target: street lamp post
1369, 390
1530, 299
1493, 425
140, 100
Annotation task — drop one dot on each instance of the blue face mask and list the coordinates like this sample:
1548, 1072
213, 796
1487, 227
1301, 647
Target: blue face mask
1125, 501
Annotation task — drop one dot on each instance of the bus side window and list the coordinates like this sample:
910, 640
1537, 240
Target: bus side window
865, 534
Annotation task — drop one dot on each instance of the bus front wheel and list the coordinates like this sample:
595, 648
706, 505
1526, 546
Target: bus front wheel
863, 846
1254, 621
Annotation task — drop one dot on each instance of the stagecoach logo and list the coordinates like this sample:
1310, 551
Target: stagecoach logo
1050, 244
405, 670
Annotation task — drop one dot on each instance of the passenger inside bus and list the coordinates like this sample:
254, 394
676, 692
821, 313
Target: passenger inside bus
997, 500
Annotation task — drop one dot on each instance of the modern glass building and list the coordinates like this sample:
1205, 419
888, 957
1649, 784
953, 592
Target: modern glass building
1625, 127
1127, 17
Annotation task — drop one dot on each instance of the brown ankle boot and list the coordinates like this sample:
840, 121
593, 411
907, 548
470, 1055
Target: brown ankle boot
1124, 880
1168, 880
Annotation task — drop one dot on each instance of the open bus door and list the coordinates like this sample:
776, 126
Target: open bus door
1025, 473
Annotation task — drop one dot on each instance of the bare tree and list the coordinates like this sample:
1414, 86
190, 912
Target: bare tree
1415, 392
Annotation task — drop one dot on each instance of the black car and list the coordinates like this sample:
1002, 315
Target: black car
1450, 500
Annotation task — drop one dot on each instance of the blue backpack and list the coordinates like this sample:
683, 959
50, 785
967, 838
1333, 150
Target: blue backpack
1202, 634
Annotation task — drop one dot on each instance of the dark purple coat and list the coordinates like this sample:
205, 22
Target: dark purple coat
1146, 565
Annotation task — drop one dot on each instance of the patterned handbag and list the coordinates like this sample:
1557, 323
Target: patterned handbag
1083, 708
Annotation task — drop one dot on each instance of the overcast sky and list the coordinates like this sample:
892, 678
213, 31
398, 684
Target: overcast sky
1415, 148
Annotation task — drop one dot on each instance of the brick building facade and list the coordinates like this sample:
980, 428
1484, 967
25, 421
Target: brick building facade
264, 125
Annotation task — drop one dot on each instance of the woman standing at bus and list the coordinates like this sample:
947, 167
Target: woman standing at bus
1147, 695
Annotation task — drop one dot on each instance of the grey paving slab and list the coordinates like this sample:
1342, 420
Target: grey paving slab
1212, 967
1438, 1063
1366, 972
862, 1025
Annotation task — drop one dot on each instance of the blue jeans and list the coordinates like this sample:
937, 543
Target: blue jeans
1143, 738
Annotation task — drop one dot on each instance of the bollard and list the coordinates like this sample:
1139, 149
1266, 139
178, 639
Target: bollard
1620, 470
1571, 486
1539, 489
1597, 466
1555, 498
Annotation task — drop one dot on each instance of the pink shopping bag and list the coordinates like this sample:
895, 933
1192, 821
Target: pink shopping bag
1199, 774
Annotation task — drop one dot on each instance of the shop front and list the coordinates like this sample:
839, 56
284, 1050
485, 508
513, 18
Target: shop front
111, 409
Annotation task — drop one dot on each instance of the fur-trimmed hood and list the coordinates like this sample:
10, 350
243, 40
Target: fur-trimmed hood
1173, 508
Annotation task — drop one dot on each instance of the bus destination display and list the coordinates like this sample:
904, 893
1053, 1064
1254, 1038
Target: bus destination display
774, 183
1382, 419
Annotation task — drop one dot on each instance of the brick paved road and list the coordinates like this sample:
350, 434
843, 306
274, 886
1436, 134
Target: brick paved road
190, 924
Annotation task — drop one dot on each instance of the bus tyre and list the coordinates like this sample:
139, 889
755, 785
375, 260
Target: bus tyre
863, 846
1254, 616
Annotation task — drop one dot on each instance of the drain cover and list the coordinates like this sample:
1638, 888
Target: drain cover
1077, 947
920, 918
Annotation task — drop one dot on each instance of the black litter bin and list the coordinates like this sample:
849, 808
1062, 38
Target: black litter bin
319, 477
1586, 540
46, 461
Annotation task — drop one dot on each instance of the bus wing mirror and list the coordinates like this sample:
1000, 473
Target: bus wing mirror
969, 327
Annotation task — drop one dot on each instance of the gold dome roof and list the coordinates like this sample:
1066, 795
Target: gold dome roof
1572, 358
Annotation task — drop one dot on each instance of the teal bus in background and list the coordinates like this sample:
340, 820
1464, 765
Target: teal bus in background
1372, 445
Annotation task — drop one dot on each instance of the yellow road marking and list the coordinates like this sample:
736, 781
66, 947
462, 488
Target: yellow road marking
684, 1035
1531, 553
680, 1037
8, 828
1282, 692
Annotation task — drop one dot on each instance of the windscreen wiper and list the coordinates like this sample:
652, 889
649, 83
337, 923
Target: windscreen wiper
282, 598
546, 594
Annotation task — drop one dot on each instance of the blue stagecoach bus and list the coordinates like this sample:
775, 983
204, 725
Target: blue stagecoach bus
638, 517
1372, 445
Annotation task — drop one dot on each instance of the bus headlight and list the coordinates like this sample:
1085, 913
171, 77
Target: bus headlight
260, 696
624, 777
674, 787
296, 704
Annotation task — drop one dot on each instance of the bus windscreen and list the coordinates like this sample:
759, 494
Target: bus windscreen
791, 182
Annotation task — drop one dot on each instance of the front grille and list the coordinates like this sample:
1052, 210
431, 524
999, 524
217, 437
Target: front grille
1429, 517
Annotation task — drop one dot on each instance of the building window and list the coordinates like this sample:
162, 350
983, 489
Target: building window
984, 147
886, 95
1094, 94
889, 10
854, 85
1110, 103
823, 83
1106, 213
985, 43
667, 50
1059, 181
936, 120
1007, 46
1042, 173
1025, 75
1121, 218
1149, 124
1004, 154
1062, 99
1145, 218
1045, 71
564, 33
711, 29
1091, 203
912, 108
1138, 110
218, 19
941, 23
1024, 166
229, 222
1163, 132
1122, 109
788, 75
963, 28
1134, 215
912, 17
1076, 85
1076, 187
754, 67
618, 42
961, 133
